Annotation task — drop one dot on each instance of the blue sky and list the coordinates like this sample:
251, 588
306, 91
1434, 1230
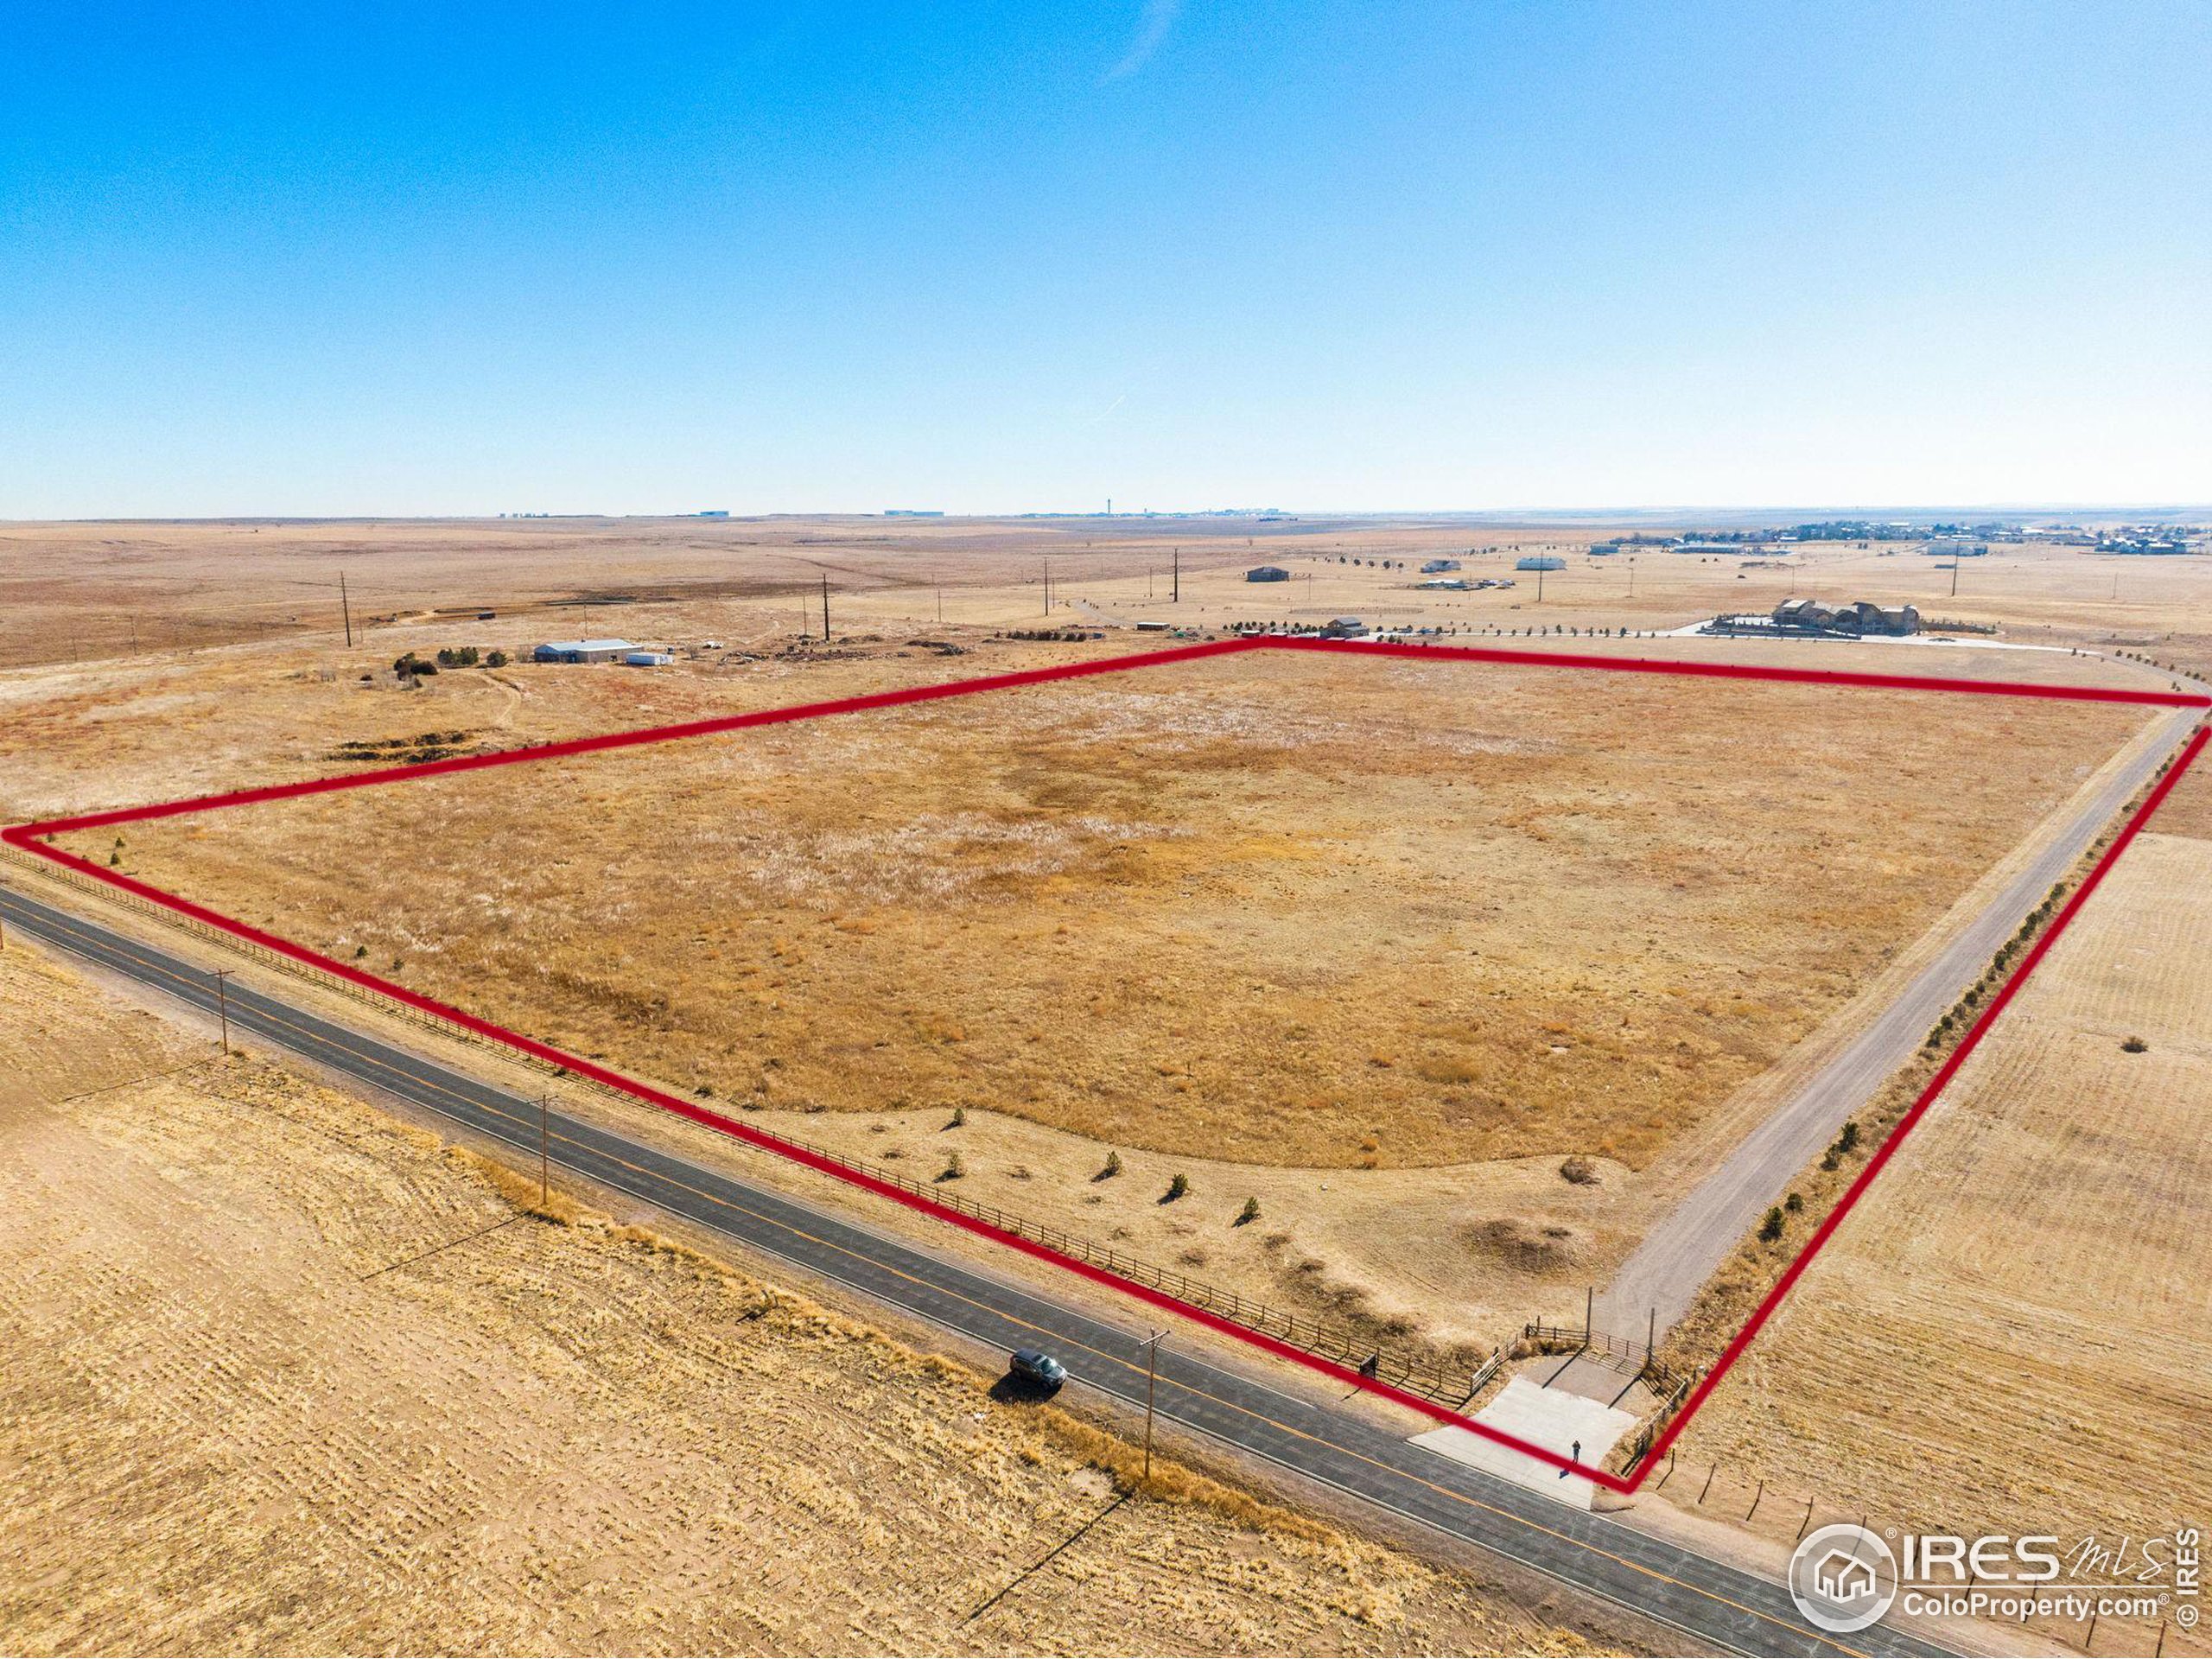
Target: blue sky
1488, 255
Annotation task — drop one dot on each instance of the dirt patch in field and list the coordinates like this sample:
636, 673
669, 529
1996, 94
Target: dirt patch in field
229, 1421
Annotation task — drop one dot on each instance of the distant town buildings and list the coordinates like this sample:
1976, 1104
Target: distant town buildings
2153, 542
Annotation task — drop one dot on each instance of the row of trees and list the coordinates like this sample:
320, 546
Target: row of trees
413, 667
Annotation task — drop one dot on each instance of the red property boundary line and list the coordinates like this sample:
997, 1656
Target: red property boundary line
27, 838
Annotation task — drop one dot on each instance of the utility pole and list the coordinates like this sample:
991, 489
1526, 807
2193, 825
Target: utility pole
1151, 1375
346, 609
1956, 559
940, 608
223, 1004
1175, 595
1539, 579
825, 609
1048, 587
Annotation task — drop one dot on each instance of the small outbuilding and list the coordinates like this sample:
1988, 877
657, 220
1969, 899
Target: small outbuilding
1437, 567
648, 658
583, 650
1540, 561
1267, 573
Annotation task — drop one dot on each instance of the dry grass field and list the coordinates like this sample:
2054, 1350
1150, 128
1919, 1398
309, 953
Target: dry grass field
2009, 1335
1301, 936
1377, 946
230, 1423
1283, 910
76, 593
84, 591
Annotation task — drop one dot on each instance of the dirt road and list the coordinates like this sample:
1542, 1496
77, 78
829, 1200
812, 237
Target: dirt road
1685, 1249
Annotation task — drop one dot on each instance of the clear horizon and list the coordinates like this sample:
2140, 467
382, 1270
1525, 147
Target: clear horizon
993, 259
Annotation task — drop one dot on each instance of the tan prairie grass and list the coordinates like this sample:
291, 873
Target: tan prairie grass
2188, 810
80, 591
129, 698
1288, 910
77, 592
229, 1423
2007, 1334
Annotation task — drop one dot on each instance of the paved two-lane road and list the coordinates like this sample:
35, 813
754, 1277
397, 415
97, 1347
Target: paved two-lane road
1716, 1606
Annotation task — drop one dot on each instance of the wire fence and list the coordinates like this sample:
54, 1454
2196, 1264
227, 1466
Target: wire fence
1431, 1378
1738, 1497
1742, 1500
1670, 1386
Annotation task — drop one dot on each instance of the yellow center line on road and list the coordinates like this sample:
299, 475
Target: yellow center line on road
880, 1267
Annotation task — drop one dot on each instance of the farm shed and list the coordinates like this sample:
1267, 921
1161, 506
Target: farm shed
581, 650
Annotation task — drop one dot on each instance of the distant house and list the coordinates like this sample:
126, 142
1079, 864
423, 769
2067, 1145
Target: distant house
1437, 567
1540, 561
583, 650
1453, 584
1267, 573
1860, 618
1345, 627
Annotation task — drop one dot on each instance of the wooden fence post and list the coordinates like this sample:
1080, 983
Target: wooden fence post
1708, 1482
1808, 1520
1754, 1510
